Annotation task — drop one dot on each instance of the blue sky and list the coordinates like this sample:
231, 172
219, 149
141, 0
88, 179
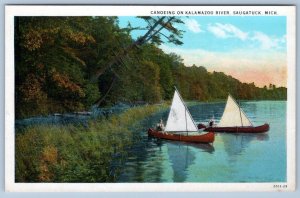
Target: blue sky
251, 49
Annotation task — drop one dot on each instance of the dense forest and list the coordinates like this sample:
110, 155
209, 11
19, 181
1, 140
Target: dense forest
65, 64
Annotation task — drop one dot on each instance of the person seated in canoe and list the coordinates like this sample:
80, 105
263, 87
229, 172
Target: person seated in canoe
160, 126
211, 123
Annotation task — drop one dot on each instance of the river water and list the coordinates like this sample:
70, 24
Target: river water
231, 158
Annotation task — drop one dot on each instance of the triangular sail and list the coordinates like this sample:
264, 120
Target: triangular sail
233, 115
179, 118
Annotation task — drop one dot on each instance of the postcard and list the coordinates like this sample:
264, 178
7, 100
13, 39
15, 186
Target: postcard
139, 98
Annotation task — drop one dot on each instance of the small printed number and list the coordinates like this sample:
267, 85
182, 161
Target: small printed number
279, 186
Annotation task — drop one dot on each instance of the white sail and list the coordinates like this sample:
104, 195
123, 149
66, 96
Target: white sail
233, 115
179, 118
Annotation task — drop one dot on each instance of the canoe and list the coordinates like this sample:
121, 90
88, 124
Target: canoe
246, 129
180, 125
203, 138
234, 120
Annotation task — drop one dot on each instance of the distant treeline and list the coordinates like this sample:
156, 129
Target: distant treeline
56, 59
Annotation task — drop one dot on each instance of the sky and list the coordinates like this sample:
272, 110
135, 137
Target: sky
249, 48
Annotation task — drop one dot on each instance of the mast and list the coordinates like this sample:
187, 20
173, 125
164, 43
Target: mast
186, 111
186, 122
240, 113
233, 115
238, 104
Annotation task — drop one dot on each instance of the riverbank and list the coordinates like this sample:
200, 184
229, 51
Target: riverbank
72, 153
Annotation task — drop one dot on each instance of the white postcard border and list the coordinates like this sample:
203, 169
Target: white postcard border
10, 185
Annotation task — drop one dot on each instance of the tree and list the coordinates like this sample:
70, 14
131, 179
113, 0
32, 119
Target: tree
49, 70
153, 35
55, 58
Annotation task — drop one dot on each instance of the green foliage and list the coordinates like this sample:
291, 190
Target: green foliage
56, 57
48, 64
92, 94
155, 27
149, 72
77, 154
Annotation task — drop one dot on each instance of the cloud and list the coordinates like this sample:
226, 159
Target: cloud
256, 38
260, 66
218, 32
193, 25
267, 42
227, 31
282, 40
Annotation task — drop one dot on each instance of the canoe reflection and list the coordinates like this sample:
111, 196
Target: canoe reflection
236, 144
182, 156
209, 148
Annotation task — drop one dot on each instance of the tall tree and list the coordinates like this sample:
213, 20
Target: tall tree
49, 71
155, 27
154, 33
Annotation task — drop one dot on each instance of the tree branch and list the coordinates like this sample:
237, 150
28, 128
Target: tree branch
106, 94
138, 42
162, 27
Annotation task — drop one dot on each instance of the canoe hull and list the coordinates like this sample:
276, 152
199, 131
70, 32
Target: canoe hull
205, 138
258, 129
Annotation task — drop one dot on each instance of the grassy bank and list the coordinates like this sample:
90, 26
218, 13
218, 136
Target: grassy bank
76, 153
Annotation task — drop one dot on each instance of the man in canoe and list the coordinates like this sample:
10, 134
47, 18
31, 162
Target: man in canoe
211, 122
160, 126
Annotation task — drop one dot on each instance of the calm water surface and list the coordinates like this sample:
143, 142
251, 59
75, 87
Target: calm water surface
231, 158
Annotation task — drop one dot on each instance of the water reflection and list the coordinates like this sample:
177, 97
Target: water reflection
143, 163
232, 157
236, 144
209, 148
182, 155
